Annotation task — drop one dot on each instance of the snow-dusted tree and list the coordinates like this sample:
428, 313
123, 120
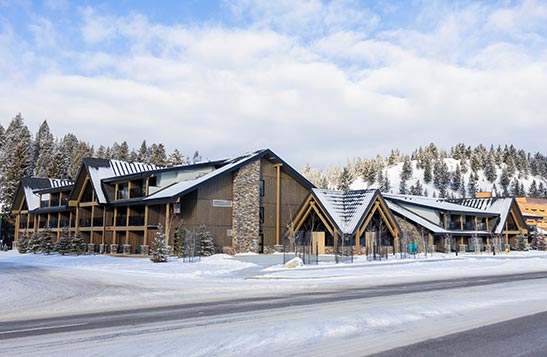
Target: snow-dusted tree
64, 244
463, 192
143, 155
344, 180
505, 181
542, 190
472, 187
78, 244
43, 150
490, 168
541, 242
179, 240
133, 157
35, 243
521, 242
123, 152
206, 242
406, 174
196, 157
81, 151
55, 168
175, 158
23, 243
417, 189
323, 183
394, 157
47, 241
428, 176
101, 152
313, 175
160, 249
385, 185
515, 187
15, 158
456, 179
533, 190
332, 174
68, 145
158, 156
441, 175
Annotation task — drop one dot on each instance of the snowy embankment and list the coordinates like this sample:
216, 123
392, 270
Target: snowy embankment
38, 285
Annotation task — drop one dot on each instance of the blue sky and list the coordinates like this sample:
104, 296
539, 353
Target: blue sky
316, 81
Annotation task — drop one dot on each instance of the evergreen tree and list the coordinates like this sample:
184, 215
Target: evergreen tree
196, 157
78, 244
541, 242
505, 180
23, 243
64, 244
456, 179
490, 168
43, 150
179, 240
123, 152
35, 243
160, 249
158, 156
515, 187
462, 188
345, 180
101, 152
472, 185
15, 159
393, 157
416, 189
68, 145
206, 242
47, 241
143, 154
521, 242
55, 167
427, 171
175, 158
406, 174
386, 185
81, 151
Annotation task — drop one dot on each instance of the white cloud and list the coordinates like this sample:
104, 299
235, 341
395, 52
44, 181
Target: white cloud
341, 93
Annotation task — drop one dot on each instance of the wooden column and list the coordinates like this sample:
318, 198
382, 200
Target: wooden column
167, 218
278, 204
358, 242
17, 226
145, 242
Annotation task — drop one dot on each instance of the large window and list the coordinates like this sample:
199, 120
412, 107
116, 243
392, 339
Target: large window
261, 187
122, 191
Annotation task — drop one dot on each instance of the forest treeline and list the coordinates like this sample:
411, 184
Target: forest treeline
461, 171
42, 154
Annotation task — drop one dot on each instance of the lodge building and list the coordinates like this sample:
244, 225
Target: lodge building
251, 203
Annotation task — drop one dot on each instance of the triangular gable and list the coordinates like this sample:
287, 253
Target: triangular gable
346, 212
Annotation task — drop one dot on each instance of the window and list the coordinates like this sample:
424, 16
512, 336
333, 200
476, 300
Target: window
261, 188
261, 214
122, 191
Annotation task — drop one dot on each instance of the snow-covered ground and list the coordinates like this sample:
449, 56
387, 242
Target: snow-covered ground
38, 286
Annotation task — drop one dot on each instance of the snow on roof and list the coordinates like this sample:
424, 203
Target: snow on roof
33, 184
415, 218
346, 208
181, 187
497, 205
439, 204
103, 169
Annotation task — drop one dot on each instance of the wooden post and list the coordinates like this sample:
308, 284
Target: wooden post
167, 218
146, 220
358, 242
278, 204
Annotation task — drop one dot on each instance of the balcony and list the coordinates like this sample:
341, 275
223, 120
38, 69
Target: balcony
53, 223
85, 222
136, 220
97, 221
64, 223
54, 203
121, 221
137, 192
42, 224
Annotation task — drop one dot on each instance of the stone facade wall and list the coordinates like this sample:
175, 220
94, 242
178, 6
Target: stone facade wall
246, 208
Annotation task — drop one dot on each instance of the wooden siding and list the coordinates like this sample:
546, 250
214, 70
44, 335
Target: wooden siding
292, 196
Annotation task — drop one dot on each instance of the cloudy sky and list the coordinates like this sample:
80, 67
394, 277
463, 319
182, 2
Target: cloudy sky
316, 81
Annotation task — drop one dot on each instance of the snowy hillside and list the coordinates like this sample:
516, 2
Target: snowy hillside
460, 172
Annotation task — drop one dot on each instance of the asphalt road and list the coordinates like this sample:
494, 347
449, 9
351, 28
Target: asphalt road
525, 336
143, 316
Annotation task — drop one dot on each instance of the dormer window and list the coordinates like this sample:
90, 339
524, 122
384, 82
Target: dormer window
44, 200
123, 191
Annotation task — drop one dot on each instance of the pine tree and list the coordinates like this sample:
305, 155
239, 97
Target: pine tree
43, 150
416, 189
175, 158
123, 152
505, 181
472, 185
462, 188
64, 244
35, 243
160, 250
490, 168
456, 179
143, 154
101, 152
158, 156
345, 180
386, 185
23, 243
47, 241
78, 244
427, 171
179, 240
68, 145
541, 242
196, 157
55, 167
206, 242
81, 151
15, 159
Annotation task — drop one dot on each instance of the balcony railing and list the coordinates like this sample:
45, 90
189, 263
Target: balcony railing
85, 222
137, 192
121, 221
97, 221
136, 220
